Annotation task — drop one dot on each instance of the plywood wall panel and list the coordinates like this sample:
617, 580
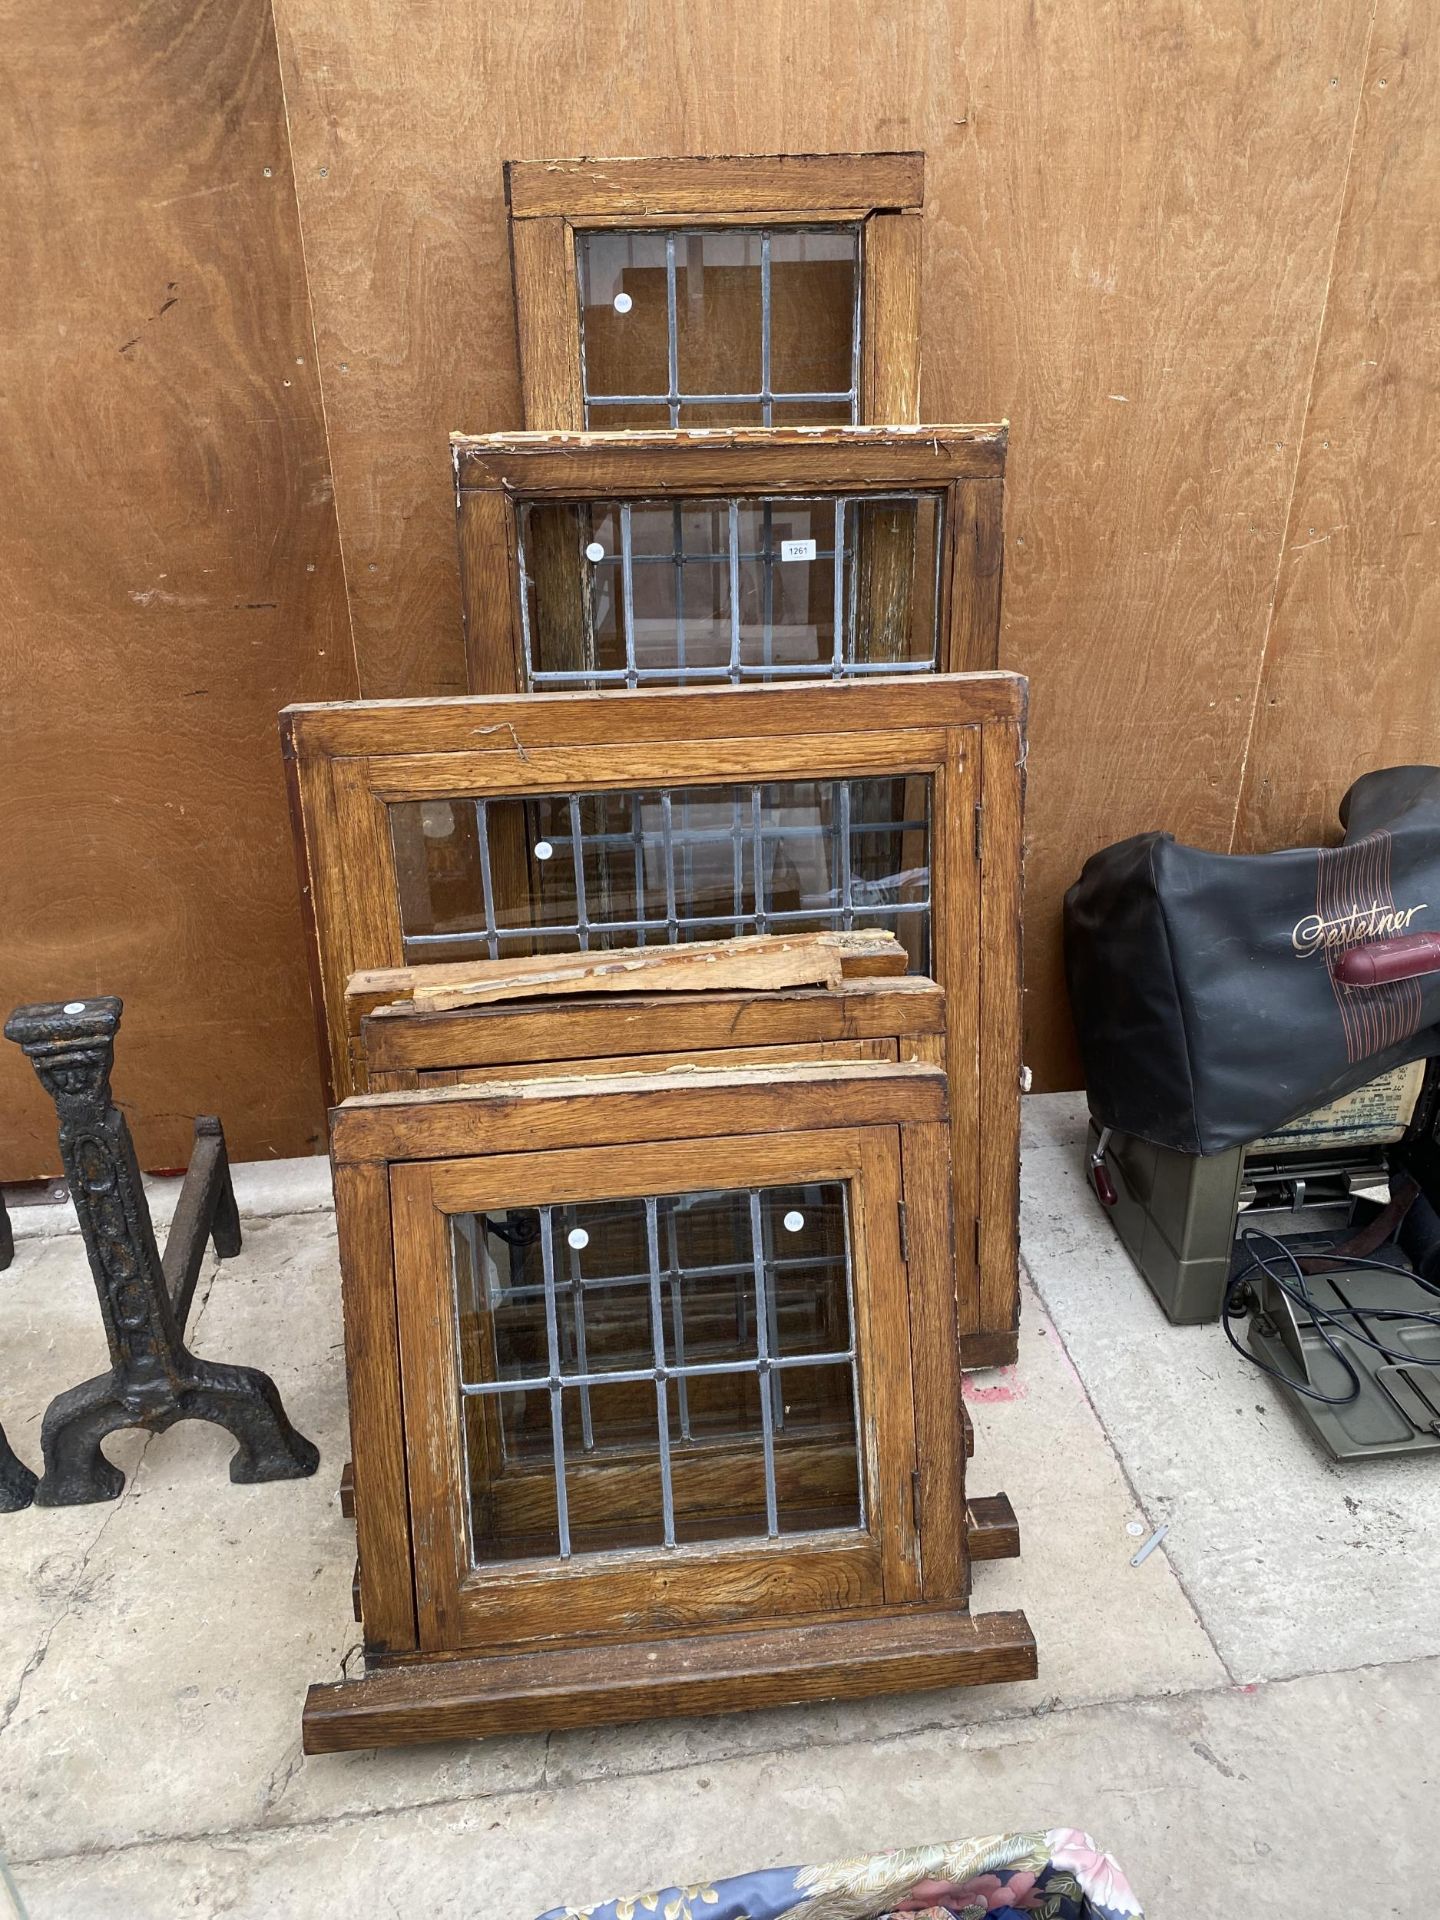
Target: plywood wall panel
1130, 215
401, 119
1130, 242
1350, 678
169, 565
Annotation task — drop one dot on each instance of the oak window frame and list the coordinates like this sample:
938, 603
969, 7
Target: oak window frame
455, 1648
496, 475
348, 762
550, 201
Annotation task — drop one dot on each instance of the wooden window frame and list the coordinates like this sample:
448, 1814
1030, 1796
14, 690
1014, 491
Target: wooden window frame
347, 762
496, 473
549, 201
456, 1650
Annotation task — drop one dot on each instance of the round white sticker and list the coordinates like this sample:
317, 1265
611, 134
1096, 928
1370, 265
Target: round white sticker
543, 850
594, 551
74, 1006
794, 1221
577, 1237
623, 303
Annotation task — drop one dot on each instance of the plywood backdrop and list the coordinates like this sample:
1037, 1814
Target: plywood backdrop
169, 564
1190, 251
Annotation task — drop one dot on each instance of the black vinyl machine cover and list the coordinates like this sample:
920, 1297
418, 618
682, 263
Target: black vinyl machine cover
1205, 986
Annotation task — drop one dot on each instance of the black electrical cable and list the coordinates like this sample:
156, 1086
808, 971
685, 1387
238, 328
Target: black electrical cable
1299, 1293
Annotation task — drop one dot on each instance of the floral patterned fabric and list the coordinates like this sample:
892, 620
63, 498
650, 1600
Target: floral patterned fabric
1059, 1874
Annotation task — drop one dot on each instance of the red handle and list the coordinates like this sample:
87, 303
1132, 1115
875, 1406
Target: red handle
1104, 1185
1380, 961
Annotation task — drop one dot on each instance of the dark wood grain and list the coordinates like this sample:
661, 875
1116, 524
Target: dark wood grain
991, 1530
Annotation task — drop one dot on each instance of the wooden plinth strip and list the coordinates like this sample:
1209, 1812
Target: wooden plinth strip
452, 1699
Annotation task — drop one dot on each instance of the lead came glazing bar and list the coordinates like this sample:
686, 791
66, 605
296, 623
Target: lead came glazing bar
771, 1383
757, 854
627, 591
582, 1356
678, 557
744, 1339
720, 400
842, 854
628, 1376
838, 645
673, 399
577, 860
762, 1341
677, 1318
667, 850
767, 584
733, 527
854, 1344
823, 829
637, 854
557, 1411
858, 309
672, 332
616, 574
657, 1334
767, 409
487, 884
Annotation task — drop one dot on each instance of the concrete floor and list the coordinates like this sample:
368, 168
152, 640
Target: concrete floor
1243, 1717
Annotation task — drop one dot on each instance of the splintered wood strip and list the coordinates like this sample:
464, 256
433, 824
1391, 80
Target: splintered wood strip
655, 1679
756, 960
699, 460
404, 1079
676, 1027
391, 992
686, 459
520, 1115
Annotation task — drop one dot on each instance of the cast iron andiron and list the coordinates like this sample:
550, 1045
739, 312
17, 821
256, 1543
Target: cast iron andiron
154, 1379
17, 1482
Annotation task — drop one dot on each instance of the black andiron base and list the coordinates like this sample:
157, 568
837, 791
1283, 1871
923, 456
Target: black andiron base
17, 1482
154, 1379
